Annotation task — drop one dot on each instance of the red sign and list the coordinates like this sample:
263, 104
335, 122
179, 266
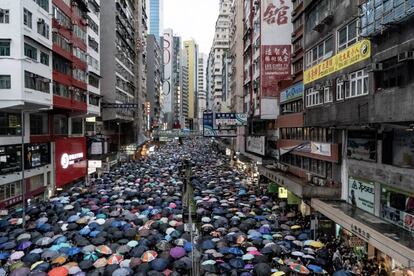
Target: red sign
70, 160
276, 66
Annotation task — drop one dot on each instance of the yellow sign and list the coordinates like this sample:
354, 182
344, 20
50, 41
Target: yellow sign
356, 53
283, 192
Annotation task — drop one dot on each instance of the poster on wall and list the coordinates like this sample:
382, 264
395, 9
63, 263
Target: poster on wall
209, 129
256, 144
361, 194
362, 145
276, 50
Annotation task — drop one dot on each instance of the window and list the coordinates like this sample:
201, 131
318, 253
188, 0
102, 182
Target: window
313, 97
44, 58
10, 190
60, 124
61, 42
61, 65
341, 87
39, 124
5, 82
327, 91
44, 4
320, 52
61, 90
30, 51
10, 124
93, 44
347, 35
36, 82
93, 80
79, 95
358, 83
77, 126
4, 48
94, 100
36, 182
43, 28
61, 18
79, 74
94, 27
93, 62
81, 34
4, 16
27, 18
80, 54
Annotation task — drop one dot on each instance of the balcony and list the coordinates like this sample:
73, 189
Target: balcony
298, 186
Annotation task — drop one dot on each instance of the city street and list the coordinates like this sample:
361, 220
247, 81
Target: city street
131, 222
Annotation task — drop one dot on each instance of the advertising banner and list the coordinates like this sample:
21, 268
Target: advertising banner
70, 160
224, 120
354, 54
292, 93
276, 49
362, 145
209, 129
256, 144
167, 85
361, 194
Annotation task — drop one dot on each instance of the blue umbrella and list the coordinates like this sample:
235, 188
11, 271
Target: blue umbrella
224, 250
303, 236
237, 263
91, 256
85, 231
342, 273
207, 244
116, 224
73, 251
235, 251
4, 255
159, 264
60, 239
315, 268
46, 227
93, 234
73, 218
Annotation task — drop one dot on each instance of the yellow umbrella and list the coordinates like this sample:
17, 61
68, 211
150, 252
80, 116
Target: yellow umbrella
295, 227
36, 264
278, 273
316, 244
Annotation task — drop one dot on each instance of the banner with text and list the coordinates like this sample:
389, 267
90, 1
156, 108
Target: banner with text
276, 49
167, 85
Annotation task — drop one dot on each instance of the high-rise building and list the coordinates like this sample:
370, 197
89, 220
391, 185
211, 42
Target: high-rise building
201, 88
123, 79
154, 80
221, 44
172, 108
190, 52
156, 17
236, 76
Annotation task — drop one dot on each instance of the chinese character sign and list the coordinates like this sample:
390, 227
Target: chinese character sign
276, 49
276, 66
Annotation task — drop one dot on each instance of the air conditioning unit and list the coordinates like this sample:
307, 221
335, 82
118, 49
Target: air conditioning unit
374, 67
328, 16
41, 21
315, 180
328, 83
284, 168
407, 55
318, 86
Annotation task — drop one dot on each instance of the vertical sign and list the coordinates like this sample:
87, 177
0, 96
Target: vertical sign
276, 30
167, 85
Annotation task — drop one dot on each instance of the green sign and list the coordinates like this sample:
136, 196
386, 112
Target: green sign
292, 199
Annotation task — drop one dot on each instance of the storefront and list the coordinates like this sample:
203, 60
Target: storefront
397, 207
70, 160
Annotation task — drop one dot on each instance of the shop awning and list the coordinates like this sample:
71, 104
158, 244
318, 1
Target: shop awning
386, 237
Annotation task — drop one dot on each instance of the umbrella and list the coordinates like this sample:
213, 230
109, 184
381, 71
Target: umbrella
248, 257
22, 271
159, 264
316, 244
297, 254
23, 245
17, 255
92, 256
237, 263
342, 273
58, 271
104, 250
149, 256
315, 268
299, 268
177, 252
101, 262
115, 259
278, 273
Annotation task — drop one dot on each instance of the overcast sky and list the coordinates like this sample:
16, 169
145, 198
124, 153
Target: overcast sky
192, 19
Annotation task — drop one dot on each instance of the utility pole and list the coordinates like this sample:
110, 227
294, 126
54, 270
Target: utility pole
22, 165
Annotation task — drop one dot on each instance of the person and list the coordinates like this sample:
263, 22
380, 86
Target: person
337, 260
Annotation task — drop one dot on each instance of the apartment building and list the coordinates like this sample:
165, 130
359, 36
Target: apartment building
190, 54
154, 81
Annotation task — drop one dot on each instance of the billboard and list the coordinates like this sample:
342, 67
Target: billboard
222, 124
276, 49
292, 93
256, 144
358, 52
70, 160
167, 85
361, 194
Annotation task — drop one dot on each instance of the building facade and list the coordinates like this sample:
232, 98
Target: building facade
190, 54
154, 81
201, 89
156, 17
221, 45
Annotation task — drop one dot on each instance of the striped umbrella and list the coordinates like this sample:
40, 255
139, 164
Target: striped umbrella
115, 259
149, 256
299, 268
104, 250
